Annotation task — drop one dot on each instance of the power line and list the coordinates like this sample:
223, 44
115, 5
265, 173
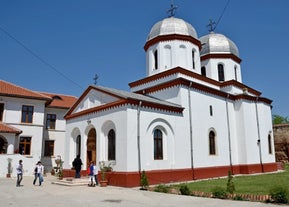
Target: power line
39, 58
222, 14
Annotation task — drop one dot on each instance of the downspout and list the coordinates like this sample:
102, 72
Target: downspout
229, 134
138, 137
191, 131
258, 130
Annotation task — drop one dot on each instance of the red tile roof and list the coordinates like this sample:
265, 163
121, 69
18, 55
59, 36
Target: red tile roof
59, 100
52, 100
9, 89
4, 128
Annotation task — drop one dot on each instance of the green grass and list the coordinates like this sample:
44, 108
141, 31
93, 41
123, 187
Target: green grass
256, 184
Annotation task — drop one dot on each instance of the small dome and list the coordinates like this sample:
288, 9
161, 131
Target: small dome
218, 44
172, 25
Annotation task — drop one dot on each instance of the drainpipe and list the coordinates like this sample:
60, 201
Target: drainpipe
138, 136
258, 129
191, 130
229, 135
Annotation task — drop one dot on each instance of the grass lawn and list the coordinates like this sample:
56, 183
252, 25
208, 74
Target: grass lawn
260, 184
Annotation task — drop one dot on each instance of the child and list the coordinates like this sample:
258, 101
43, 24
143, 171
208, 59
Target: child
91, 175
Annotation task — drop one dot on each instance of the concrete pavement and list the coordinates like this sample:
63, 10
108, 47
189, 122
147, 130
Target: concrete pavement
82, 196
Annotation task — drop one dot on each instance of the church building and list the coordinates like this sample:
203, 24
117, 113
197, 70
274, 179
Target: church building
190, 118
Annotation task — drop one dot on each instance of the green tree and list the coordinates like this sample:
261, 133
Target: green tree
277, 119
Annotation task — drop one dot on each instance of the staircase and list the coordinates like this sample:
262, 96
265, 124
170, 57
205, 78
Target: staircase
71, 181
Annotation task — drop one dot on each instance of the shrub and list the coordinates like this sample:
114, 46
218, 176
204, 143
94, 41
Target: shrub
238, 198
184, 189
162, 188
219, 192
279, 194
144, 181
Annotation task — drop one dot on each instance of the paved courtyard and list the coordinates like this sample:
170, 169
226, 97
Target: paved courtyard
82, 196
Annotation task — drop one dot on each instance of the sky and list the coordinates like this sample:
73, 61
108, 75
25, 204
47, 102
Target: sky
58, 46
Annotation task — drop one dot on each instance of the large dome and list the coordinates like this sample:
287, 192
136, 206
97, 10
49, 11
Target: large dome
170, 26
218, 44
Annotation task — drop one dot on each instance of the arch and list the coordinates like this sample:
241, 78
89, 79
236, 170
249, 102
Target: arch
221, 72
212, 142
107, 129
167, 56
3, 145
193, 58
91, 146
236, 72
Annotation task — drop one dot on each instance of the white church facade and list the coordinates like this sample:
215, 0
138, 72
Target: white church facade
190, 118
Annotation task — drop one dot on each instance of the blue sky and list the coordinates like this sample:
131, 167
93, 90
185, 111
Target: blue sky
81, 38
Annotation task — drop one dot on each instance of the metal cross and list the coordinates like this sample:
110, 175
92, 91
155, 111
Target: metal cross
172, 10
95, 79
211, 25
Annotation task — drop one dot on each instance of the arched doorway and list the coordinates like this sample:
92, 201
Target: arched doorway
3, 145
91, 147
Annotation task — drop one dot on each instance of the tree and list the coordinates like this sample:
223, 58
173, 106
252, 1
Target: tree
280, 119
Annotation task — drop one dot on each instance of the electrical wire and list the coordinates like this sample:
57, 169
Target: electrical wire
39, 58
221, 14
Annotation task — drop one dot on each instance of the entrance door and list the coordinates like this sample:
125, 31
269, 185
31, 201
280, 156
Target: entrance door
91, 147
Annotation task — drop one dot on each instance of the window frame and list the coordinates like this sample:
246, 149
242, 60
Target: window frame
158, 145
50, 121
212, 143
25, 145
27, 114
49, 148
221, 72
111, 155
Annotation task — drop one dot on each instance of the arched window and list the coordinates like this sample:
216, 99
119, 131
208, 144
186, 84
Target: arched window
203, 71
3, 145
270, 144
156, 59
212, 143
236, 74
78, 145
221, 74
193, 59
111, 145
158, 144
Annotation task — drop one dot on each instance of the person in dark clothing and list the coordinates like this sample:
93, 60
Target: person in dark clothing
77, 166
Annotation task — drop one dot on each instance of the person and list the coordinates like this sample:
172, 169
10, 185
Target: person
77, 166
19, 171
38, 173
95, 173
91, 175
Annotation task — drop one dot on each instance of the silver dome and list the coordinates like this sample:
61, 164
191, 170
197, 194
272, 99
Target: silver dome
172, 25
218, 44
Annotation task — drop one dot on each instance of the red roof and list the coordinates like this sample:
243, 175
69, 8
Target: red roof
59, 101
52, 100
4, 128
9, 89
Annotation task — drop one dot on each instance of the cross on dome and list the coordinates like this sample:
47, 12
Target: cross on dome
172, 10
211, 25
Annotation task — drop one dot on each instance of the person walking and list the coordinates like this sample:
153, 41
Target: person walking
91, 175
19, 171
77, 163
38, 173
95, 173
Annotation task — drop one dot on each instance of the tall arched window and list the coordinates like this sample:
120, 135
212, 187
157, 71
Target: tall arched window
203, 71
156, 59
270, 144
193, 59
221, 74
212, 143
236, 72
158, 144
111, 145
78, 145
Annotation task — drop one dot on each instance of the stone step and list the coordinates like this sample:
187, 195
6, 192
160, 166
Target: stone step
72, 181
